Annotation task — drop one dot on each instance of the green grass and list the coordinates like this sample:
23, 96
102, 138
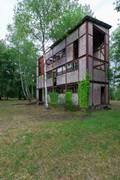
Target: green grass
54, 144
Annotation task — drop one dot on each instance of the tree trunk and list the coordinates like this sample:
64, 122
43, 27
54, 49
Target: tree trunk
45, 76
21, 78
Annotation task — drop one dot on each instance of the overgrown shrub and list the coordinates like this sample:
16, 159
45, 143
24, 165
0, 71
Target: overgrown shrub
68, 100
53, 98
83, 93
112, 94
117, 93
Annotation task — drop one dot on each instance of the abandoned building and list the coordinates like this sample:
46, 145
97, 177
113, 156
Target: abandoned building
84, 49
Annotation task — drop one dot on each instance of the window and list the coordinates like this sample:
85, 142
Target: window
72, 66
64, 69
98, 39
59, 55
76, 65
99, 49
59, 71
63, 53
75, 49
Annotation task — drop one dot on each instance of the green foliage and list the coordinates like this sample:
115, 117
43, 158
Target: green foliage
53, 98
17, 61
69, 19
117, 5
83, 93
115, 58
47, 19
9, 80
37, 146
68, 100
117, 93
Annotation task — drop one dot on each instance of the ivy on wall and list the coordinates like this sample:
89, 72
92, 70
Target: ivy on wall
83, 93
68, 100
53, 98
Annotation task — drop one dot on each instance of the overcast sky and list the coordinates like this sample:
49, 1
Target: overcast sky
103, 10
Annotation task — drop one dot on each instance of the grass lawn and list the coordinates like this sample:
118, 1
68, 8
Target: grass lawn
39, 144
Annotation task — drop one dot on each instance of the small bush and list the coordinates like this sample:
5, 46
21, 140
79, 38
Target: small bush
53, 99
112, 94
68, 100
117, 93
83, 93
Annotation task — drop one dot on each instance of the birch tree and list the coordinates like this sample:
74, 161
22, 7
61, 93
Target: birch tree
26, 55
41, 20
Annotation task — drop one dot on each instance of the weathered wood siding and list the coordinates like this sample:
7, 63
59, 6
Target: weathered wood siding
99, 75
75, 99
49, 67
49, 82
61, 98
72, 77
90, 67
82, 68
69, 52
61, 79
82, 29
59, 47
41, 82
59, 62
82, 46
72, 37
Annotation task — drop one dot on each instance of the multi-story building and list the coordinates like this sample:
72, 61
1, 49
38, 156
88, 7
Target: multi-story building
83, 50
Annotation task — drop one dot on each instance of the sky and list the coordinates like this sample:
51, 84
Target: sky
103, 10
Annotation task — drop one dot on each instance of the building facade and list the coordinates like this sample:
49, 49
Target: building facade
84, 50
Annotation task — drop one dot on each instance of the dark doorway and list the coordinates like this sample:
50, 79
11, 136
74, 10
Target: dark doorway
102, 95
40, 95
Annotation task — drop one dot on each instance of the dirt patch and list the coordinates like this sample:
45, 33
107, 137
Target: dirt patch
14, 114
18, 113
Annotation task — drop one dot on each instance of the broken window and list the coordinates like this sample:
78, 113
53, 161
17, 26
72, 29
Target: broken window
98, 48
64, 69
76, 65
72, 66
98, 39
59, 71
75, 49
59, 55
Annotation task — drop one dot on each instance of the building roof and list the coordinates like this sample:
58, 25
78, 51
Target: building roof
86, 18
